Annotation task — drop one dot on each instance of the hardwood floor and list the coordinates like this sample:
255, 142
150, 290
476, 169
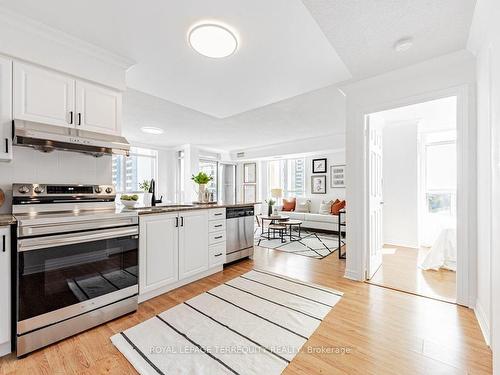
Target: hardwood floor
400, 271
382, 330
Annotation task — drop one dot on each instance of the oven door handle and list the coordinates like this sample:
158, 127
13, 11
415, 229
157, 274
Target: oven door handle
29, 244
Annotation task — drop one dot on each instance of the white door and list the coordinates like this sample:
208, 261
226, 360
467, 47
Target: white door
42, 95
158, 251
193, 243
5, 283
374, 126
98, 108
5, 109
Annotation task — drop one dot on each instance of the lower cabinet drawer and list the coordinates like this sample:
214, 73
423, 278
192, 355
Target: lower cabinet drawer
216, 237
217, 254
216, 226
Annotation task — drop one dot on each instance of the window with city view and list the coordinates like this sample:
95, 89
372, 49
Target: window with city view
288, 175
129, 172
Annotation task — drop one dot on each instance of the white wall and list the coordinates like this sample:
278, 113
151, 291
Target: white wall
485, 43
410, 85
263, 192
400, 184
31, 166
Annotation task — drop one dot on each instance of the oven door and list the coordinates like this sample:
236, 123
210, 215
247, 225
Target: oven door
65, 275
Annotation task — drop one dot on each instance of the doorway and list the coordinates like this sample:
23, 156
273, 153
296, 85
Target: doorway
412, 198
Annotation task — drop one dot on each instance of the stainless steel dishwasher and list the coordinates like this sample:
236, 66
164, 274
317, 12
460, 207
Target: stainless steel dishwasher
239, 232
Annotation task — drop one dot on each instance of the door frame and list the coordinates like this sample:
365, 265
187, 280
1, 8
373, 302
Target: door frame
466, 186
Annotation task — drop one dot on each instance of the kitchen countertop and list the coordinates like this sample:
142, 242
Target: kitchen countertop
7, 219
187, 207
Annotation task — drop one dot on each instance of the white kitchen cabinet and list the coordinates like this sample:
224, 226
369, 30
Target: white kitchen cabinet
98, 108
193, 243
158, 249
42, 95
5, 109
5, 283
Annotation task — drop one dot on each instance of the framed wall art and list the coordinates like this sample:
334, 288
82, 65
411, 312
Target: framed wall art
249, 173
337, 176
318, 184
319, 165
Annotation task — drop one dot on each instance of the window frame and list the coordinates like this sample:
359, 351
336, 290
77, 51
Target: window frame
133, 152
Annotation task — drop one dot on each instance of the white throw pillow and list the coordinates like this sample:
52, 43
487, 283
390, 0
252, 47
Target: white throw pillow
325, 207
303, 205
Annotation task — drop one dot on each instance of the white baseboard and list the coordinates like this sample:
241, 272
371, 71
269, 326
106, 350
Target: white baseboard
353, 275
5, 348
483, 321
167, 288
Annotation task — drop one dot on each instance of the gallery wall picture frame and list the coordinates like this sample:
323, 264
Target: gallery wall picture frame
250, 173
318, 184
337, 176
249, 193
319, 165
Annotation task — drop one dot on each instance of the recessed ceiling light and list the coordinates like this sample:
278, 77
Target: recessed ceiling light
213, 40
151, 130
403, 44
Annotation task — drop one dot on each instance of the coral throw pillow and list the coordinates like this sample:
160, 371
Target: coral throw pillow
337, 207
289, 204
333, 205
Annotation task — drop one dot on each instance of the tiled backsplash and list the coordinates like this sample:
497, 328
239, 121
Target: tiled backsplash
58, 167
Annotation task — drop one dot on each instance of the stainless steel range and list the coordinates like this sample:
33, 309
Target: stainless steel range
76, 263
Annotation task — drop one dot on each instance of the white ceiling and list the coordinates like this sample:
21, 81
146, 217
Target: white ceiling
440, 114
314, 114
364, 31
282, 53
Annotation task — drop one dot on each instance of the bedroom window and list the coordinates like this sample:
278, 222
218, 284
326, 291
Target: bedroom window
129, 172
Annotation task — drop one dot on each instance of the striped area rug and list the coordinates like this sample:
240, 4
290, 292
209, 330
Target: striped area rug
253, 324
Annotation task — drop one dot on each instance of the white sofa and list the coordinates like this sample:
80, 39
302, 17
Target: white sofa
313, 220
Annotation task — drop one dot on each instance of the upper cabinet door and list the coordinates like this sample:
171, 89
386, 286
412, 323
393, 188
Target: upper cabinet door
193, 243
5, 109
42, 95
98, 108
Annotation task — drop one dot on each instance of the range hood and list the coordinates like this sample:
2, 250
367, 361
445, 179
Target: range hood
48, 138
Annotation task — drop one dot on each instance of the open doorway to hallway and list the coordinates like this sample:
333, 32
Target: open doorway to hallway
415, 210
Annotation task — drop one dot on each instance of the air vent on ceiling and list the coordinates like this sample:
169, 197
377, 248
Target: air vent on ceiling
240, 154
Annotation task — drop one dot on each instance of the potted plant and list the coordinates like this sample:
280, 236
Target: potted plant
147, 196
270, 203
202, 179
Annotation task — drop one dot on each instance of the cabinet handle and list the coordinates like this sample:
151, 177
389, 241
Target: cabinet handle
3, 244
182, 221
218, 255
70, 117
79, 118
176, 222
218, 214
6, 145
218, 237
218, 226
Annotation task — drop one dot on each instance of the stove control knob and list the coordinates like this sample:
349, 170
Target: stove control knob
98, 189
24, 189
39, 189
109, 190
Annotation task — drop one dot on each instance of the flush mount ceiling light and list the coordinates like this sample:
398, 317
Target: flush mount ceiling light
403, 44
151, 130
213, 40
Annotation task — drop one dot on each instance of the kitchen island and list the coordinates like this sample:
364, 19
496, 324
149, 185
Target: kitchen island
179, 244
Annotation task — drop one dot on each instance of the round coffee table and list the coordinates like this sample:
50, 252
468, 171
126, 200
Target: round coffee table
290, 224
272, 220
